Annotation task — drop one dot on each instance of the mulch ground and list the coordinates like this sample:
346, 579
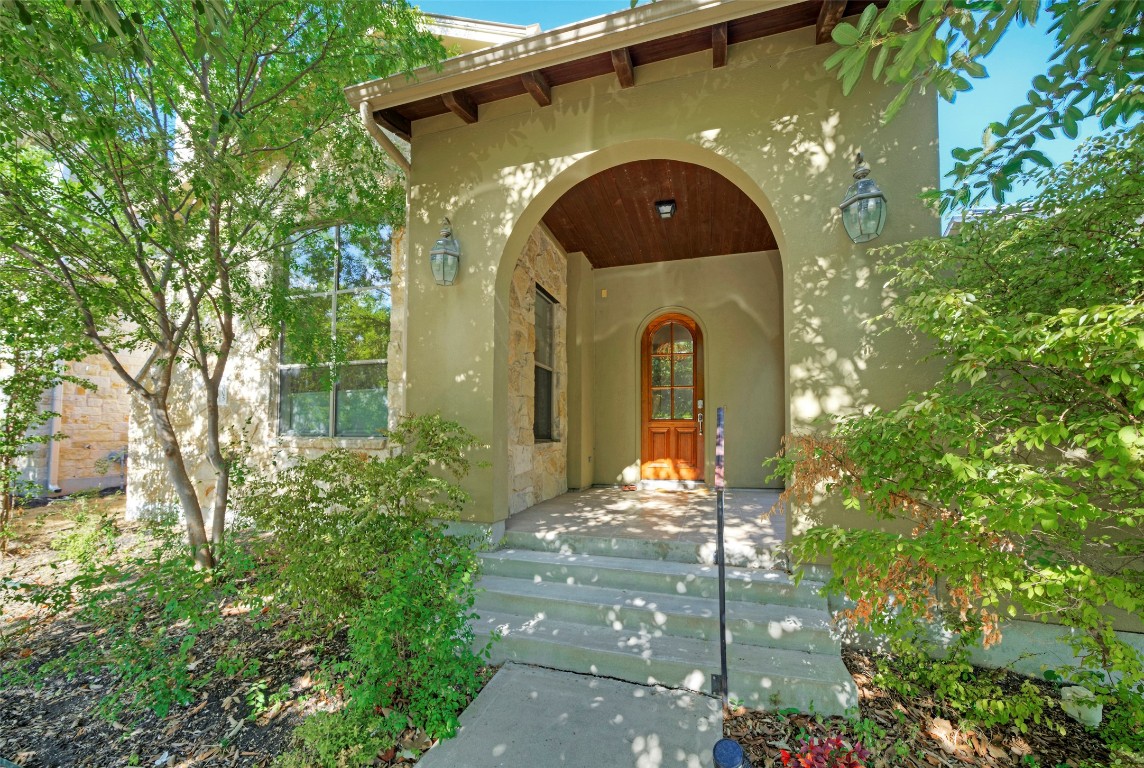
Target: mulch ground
917, 732
57, 721
58, 724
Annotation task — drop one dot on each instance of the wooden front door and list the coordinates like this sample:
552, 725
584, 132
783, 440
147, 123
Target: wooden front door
672, 400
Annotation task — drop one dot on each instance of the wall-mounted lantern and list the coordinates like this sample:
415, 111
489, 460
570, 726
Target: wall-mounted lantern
665, 208
445, 257
864, 207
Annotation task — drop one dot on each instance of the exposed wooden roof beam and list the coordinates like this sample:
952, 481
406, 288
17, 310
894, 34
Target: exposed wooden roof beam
829, 15
394, 121
537, 84
461, 105
719, 45
622, 63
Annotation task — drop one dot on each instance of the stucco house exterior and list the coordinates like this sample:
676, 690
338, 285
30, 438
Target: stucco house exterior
548, 155
547, 152
646, 209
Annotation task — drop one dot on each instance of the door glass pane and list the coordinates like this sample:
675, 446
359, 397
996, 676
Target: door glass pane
661, 371
683, 402
363, 325
683, 342
304, 401
661, 403
661, 340
684, 371
362, 403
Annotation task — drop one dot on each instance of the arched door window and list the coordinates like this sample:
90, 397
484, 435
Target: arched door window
672, 400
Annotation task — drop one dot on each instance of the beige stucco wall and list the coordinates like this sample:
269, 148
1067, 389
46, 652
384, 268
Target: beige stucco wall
737, 301
772, 121
538, 469
581, 372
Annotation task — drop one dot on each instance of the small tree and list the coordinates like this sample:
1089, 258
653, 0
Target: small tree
36, 338
1022, 469
1097, 70
158, 157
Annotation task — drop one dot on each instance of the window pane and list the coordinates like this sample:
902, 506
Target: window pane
362, 401
311, 262
661, 371
683, 400
661, 403
543, 330
365, 258
683, 341
542, 393
684, 371
363, 325
661, 340
304, 401
306, 333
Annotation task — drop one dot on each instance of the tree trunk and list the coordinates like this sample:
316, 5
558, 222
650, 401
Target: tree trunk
184, 487
220, 464
6, 501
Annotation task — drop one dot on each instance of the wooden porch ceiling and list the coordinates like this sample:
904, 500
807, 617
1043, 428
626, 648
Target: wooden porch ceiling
611, 216
624, 62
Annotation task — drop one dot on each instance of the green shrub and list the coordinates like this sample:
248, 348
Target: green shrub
359, 542
411, 643
337, 520
91, 537
1015, 482
974, 694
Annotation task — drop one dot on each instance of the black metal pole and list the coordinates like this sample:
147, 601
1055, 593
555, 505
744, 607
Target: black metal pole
721, 556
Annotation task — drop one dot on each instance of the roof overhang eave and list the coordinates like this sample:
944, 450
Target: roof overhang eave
568, 43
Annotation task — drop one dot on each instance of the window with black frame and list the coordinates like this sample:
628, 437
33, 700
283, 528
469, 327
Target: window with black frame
545, 311
332, 376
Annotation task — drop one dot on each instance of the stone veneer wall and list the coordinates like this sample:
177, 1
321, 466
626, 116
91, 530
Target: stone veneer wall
251, 412
539, 471
94, 423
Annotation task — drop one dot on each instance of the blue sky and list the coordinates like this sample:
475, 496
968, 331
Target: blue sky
1023, 53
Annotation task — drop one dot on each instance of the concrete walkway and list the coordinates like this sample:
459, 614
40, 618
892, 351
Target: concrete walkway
529, 716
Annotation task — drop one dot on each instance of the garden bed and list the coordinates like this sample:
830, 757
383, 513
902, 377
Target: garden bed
253, 683
919, 732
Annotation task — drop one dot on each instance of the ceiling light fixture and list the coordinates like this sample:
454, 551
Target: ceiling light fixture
665, 208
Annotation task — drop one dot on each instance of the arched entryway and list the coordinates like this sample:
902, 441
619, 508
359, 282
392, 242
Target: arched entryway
715, 260
672, 406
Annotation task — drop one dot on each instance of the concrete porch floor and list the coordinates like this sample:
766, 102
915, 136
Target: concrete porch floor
683, 519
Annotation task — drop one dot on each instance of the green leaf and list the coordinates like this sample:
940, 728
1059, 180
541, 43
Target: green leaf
880, 61
896, 104
845, 34
1069, 126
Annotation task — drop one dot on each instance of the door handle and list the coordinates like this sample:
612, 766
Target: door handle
701, 425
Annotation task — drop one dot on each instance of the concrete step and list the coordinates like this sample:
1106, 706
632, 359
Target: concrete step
653, 576
769, 678
741, 554
680, 615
